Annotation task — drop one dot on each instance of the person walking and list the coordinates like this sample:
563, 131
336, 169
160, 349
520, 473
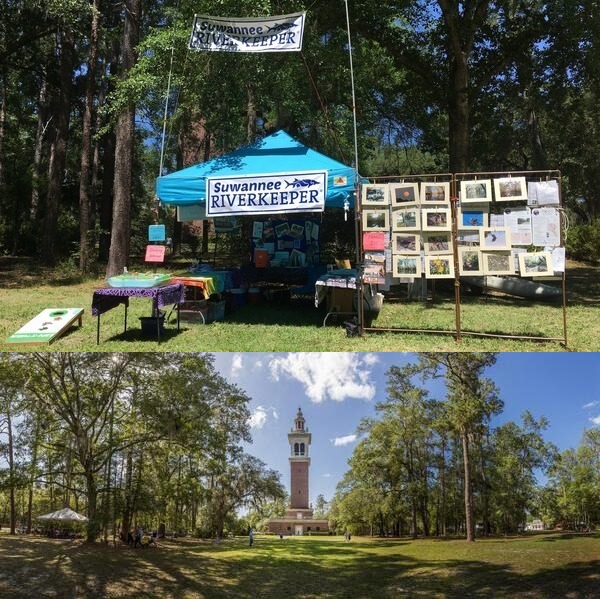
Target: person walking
251, 538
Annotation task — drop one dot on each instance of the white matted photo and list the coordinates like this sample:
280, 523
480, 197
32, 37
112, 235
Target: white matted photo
406, 243
476, 192
495, 238
406, 266
470, 261
437, 243
435, 193
376, 220
498, 263
375, 194
536, 264
473, 217
510, 189
437, 219
468, 238
404, 193
439, 267
406, 219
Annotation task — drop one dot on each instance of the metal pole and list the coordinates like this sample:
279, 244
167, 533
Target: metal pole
164, 129
359, 288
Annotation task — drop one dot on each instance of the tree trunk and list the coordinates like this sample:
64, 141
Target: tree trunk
32, 470
59, 151
86, 145
251, 113
2, 125
42, 125
92, 498
121, 220
458, 114
470, 525
11, 473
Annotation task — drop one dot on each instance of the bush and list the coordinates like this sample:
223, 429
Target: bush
583, 242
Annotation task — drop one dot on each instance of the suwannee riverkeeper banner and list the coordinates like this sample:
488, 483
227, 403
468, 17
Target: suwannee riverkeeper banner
258, 34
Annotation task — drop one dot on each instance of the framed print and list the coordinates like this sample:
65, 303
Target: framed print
376, 220
404, 193
498, 263
435, 193
406, 266
468, 238
536, 264
439, 267
375, 195
472, 218
495, 239
406, 219
470, 261
475, 192
437, 243
406, 243
437, 219
510, 189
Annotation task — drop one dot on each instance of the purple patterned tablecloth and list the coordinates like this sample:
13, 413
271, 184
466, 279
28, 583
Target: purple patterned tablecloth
106, 299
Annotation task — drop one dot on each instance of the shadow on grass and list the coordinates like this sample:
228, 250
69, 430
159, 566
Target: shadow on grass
290, 313
272, 568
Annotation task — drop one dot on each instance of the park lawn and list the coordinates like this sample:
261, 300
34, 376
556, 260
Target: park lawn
297, 325
545, 565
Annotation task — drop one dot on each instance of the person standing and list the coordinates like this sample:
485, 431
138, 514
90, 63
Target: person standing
251, 538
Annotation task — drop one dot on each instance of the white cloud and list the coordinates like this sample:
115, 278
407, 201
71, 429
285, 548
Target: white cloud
328, 375
327, 475
258, 365
341, 441
237, 363
591, 404
595, 420
260, 415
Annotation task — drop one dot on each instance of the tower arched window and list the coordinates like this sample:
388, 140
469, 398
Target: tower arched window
296, 449
301, 448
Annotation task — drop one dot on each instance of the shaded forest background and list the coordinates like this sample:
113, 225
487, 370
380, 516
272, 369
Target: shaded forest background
441, 86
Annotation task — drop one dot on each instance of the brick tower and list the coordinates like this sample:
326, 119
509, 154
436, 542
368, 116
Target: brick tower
299, 519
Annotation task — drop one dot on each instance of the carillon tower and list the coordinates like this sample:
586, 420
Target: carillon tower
299, 519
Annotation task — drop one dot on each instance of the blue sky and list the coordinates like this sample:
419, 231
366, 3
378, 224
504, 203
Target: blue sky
337, 390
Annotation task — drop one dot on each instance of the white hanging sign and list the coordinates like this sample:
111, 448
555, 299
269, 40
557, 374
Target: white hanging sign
272, 193
260, 34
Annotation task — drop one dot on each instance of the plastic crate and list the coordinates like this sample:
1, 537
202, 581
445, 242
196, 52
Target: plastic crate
216, 311
194, 311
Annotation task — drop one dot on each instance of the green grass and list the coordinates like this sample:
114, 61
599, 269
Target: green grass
548, 565
296, 326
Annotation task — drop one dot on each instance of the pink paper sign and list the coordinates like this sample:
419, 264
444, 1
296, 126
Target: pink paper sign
155, 253
374, 241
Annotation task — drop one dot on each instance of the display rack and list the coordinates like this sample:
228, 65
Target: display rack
468, 199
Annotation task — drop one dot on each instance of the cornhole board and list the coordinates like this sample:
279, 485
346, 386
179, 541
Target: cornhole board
47, 326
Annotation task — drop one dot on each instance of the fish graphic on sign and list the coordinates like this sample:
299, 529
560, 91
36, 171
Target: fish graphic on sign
302, 183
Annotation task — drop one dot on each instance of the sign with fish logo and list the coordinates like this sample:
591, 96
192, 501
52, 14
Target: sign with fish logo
260, 34
271, 193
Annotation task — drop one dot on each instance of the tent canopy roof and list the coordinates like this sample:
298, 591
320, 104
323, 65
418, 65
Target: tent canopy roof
64, 515
277, 153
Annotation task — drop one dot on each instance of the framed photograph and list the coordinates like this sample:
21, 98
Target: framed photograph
476, 192
406, 266
404, 193
468, 238
435, 193
472, 218
375, 195
470, 261
437, 219
510, 189
498, 263
404, 219
376, 220
406, 243
374, 272
437, 243
439, 267
536, 264
495, 239
282, 230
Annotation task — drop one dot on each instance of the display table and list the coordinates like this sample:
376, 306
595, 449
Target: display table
339, 288
205, 284
107, 298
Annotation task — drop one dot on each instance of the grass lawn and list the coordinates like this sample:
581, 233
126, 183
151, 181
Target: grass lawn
297, 326
547, 565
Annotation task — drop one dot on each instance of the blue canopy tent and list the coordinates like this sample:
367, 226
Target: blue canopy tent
277, 153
